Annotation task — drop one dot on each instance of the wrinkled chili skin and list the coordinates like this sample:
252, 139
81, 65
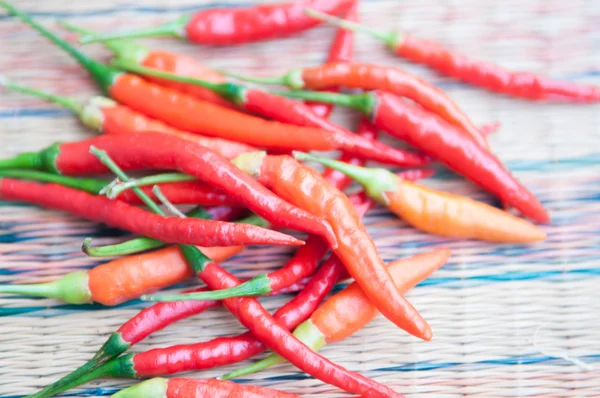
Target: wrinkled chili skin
310, 191
258, 321
227, 26
160, 151
492, 77
395, 80
118, 214
452, 147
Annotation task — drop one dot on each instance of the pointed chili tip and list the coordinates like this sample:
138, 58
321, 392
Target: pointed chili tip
426, 334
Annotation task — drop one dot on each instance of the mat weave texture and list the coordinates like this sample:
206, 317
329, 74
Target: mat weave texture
485, 305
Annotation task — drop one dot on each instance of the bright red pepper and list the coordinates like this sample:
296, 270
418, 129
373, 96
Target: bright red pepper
160, 151
482, 74
121, 215
226, 26
438, 138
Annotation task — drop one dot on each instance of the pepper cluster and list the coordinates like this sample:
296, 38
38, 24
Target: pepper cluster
241, 152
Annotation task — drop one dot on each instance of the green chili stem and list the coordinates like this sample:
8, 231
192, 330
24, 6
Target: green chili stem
292, 79
129, 50
390, 38
376, 181
104, 75
257, 286
67, 102
152, 388
112, 166
90, 185
117, 189
174, 28
364, 103
71, 288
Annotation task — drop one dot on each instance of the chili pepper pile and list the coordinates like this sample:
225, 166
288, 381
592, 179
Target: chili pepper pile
235, 150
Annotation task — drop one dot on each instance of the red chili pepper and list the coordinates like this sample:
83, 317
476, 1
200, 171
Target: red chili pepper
434, 211
310, 191
106, 115
159, 151
341, 50
190, 388
482, 74
121, 215
179, 192
177, 108
441, 140
226, 26
164, 60
348, 311
377, 77
295, 113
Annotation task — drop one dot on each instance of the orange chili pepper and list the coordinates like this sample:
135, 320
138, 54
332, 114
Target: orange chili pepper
308, 190
350, 310
434, 211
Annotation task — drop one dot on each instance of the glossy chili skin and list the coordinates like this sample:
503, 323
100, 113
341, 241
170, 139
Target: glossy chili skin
118, 214
395, 80
454, 148
489, 76
357, 250
226, 26
341, 50
159, 151
295, 112
120, 119
260, 323
457, 216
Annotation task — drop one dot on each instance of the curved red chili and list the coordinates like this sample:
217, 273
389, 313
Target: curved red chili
226, 26
481, 74
159, 151
441, 140
121, 215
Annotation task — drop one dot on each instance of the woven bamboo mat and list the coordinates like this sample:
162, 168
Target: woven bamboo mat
485, 305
